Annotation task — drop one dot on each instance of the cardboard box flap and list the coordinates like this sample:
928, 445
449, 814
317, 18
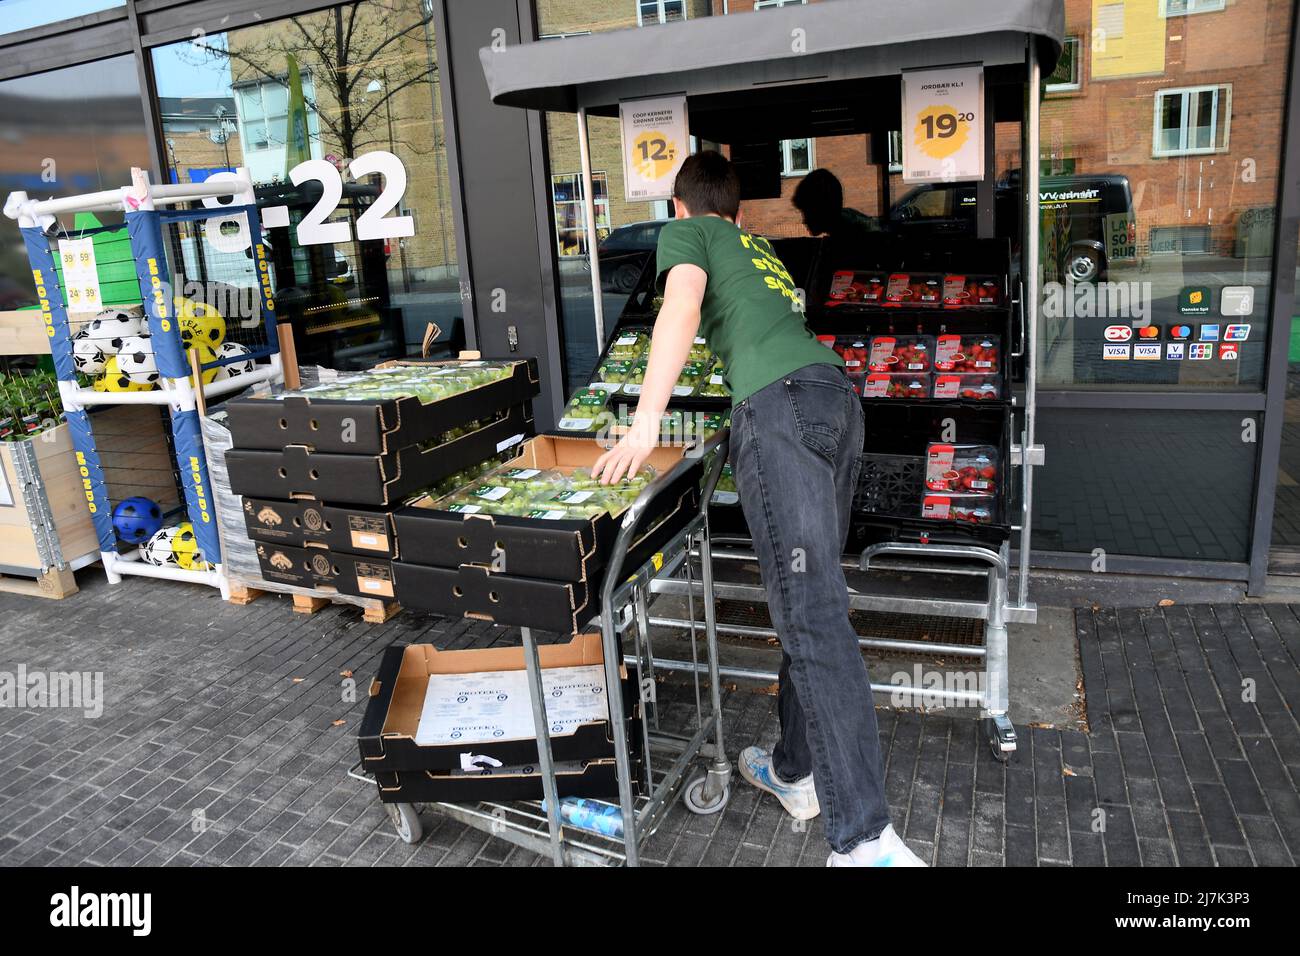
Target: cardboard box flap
420, 661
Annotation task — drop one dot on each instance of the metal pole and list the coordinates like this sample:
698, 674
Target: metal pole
537, 693
589, 212
1029, 266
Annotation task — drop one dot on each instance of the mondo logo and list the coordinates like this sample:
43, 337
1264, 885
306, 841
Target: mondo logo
1118, 333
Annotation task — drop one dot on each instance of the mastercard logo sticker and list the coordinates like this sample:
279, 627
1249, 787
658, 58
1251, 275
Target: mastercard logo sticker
1149, 332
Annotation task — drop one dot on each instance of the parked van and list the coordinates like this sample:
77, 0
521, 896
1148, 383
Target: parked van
1077, 211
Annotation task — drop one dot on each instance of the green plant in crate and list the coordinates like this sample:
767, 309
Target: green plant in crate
29, 404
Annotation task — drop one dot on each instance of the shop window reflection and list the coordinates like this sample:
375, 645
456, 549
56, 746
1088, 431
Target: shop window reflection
330, 87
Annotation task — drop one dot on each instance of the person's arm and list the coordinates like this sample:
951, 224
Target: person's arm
674, 333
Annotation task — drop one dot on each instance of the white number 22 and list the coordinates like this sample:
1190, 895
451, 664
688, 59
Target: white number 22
373, 223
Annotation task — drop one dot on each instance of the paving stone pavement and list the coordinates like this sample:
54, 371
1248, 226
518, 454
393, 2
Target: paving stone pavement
219, 744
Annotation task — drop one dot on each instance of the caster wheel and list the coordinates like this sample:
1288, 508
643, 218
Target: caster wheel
999, 754
693, 797
405, 821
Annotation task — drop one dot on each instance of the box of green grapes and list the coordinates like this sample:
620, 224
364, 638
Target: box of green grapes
391, 406
526, 544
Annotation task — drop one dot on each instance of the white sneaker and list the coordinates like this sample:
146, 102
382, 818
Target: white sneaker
798, 798
888, 849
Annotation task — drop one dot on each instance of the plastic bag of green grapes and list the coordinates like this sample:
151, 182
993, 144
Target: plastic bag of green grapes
700, 351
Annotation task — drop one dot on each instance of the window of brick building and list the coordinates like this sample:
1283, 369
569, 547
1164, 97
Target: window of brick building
796, 157
1065, 79
1178, 8
570, 220
660, 11
1192, 120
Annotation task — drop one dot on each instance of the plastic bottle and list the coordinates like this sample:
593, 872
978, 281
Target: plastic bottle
594, 816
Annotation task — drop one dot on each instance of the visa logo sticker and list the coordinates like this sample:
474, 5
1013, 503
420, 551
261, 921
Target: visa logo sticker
1200, 351
1115, 352
1236, 333
1209, 333
1118, 333
1228, 351
1146, 351
1174, 351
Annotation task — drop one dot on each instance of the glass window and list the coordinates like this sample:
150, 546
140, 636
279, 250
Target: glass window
1065, 78
1159, 193
1177, 8
760, 4
334, 85
660, 11
18, 15
65, 132
1190, 121
796, 157
570, 220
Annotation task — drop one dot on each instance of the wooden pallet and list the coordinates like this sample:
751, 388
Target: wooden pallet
374, 611
52, 583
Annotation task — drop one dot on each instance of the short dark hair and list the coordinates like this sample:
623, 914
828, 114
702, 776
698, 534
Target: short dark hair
707, 183
819, 190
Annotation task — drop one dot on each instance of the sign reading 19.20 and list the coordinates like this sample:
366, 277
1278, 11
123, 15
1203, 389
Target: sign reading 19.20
373, 223
943, 124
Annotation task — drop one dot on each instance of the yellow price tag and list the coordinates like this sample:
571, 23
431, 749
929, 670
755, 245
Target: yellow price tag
941, 131
654, 154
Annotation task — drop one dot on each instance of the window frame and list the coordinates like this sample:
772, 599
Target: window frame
1164, 13
1076, 84
787, 170
777, 4
1219, 113
661, 7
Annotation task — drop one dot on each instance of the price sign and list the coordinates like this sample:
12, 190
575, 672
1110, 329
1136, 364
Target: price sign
943, 124
655, 143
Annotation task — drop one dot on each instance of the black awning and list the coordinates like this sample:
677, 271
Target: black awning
822, 42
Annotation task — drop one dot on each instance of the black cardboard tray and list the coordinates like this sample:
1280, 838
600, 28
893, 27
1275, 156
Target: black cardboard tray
368, 479
370, 426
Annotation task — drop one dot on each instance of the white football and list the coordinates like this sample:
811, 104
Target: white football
136, 361
112, 326
88, 356
232, 350
158, 549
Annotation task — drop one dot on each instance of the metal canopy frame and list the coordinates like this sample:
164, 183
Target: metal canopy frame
714, 61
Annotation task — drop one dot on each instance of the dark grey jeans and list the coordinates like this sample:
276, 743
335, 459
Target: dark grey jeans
795, 447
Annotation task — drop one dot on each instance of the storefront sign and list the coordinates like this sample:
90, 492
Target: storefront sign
943, 124
656, 141
1121, 236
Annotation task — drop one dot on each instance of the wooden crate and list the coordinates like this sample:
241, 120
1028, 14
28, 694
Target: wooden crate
36, 555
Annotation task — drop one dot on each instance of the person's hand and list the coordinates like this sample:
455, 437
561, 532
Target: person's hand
628, 455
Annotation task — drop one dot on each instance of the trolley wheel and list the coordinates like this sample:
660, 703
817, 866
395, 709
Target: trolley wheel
1001, 737
693, 797
406, 821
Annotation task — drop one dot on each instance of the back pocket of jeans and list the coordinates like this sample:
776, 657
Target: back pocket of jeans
819, 409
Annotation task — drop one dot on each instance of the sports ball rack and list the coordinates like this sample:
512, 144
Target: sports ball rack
157, 240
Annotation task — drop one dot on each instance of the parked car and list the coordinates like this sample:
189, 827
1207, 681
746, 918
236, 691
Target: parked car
1079, 204
623, 253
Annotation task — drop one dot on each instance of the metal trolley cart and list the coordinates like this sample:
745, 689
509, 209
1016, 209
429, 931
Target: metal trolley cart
669, 757
835, 69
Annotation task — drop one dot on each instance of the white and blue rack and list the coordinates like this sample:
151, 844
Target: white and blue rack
146, 217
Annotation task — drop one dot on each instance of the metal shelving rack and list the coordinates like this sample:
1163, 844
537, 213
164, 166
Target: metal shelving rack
743, 73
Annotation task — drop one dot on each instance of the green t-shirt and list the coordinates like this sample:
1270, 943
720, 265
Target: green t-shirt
751, 314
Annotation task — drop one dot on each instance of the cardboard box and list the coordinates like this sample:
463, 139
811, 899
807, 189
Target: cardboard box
473, 591
322, 569
596, 778
307, 521
371, 426
368, 479
387, 739
560, 550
